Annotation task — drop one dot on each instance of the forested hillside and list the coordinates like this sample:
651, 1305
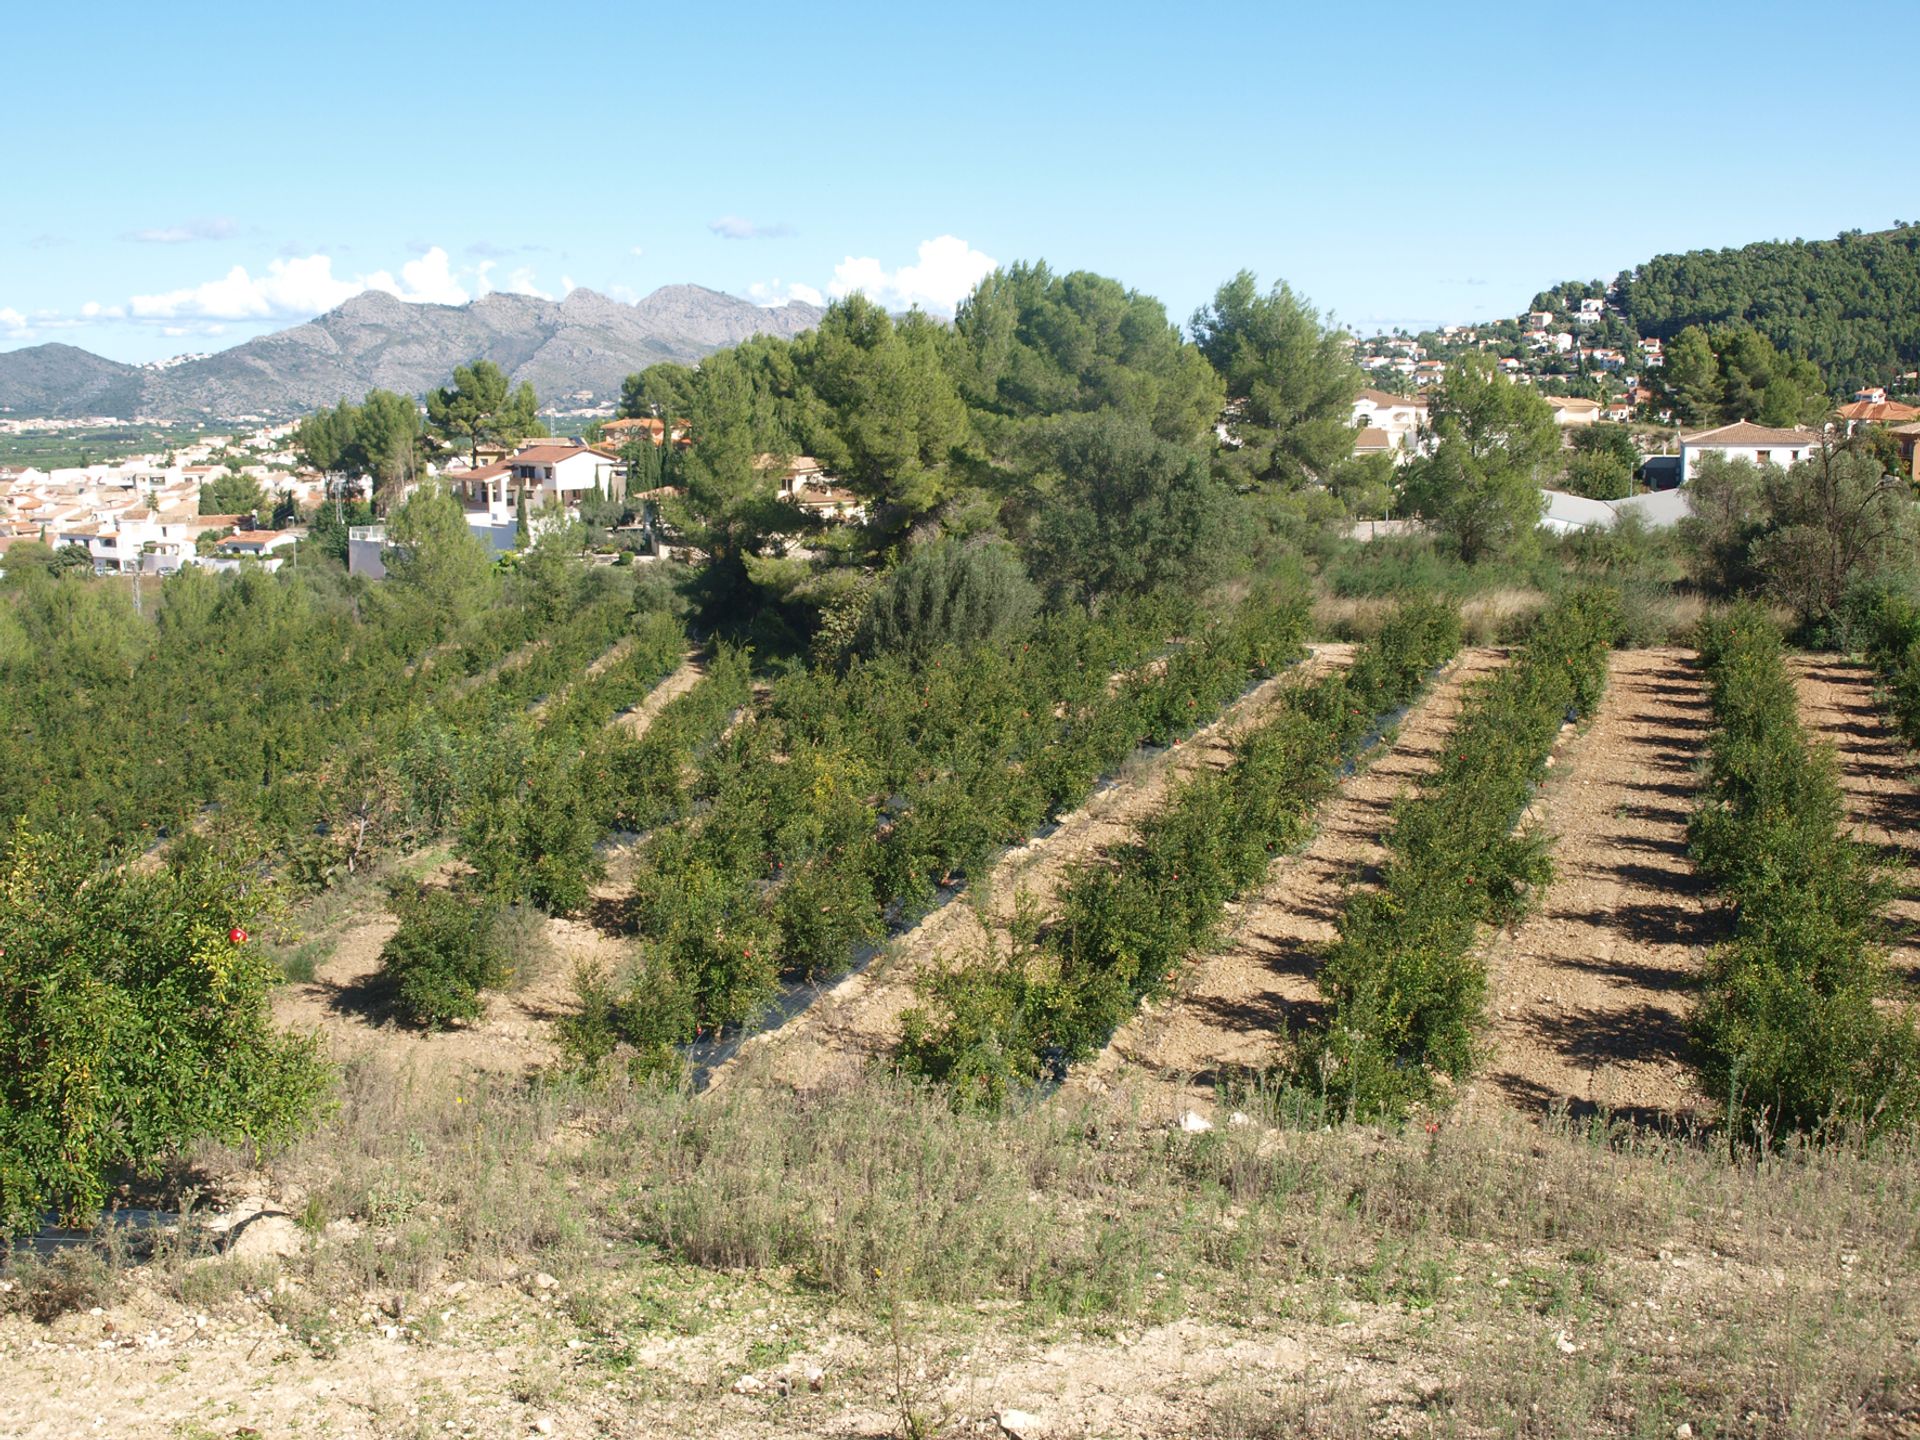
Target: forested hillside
1850, 305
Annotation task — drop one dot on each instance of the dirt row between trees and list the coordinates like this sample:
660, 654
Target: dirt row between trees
692, 671
1588, 997
859, 1020
1877, 776
345, 1004
1238, 1004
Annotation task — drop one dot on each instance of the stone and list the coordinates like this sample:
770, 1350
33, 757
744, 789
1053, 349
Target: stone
1193, 1122
543, 1426
1020, 1425
748, 1385
546, 1281
265, 1237
816, 1378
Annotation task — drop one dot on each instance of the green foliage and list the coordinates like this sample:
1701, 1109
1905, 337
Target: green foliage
664, 390
857, 795
1850, 305
949, 594
1733, 373
437, 568
231, 493
1290, 382
1893, 645
1480, 488
1787, 1025
1128, 920
1812, 537
1035, 344
481, 405
383, 437
1403, 984
448, 949
131, 1023
1599, 475
883, 413
1127, 513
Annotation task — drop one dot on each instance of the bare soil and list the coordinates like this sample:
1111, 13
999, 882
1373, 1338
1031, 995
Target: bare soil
1588, 996
1236, 1007
348, 1006
1877, 774
859, 1020
691, 672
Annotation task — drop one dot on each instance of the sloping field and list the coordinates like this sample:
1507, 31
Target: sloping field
345, 1002
1587, 997
859, 1020
691, 672
1239, 1002
1876, 772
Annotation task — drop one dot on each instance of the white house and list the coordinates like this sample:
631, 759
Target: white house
560, 473
1743, 440
1397, 418
1572, 410
1589, 312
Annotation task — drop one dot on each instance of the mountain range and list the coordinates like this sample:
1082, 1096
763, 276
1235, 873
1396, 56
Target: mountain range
574, 351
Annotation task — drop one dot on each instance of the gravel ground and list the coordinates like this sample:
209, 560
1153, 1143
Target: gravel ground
1237, 1004
1588, 996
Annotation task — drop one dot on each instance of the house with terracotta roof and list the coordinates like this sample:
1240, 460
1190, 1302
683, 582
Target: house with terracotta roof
1875, 412
616, 434
558, 472
1744, 440
1397, 418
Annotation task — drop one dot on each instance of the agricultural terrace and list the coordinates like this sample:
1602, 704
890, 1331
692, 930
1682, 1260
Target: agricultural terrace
1089, 940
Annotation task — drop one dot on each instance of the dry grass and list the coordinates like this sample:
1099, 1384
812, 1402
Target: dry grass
1493, 617
1491, 1277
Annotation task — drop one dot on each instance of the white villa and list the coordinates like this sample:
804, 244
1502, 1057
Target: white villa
1743, 440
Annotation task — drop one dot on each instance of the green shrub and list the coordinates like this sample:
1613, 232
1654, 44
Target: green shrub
1127, 921
133, 1018
949, 594
448, 949
1404, 987
1787, 1026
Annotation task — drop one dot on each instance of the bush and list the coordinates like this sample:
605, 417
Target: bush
1404, 987
448, 949
133, 1018
985, 1029
949, 594
1787, 1025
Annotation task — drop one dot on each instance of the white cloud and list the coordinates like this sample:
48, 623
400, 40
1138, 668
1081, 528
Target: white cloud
636, 252
778, 292
520, 282
734, 227
944, 274
217, 227
12, 321
298, 288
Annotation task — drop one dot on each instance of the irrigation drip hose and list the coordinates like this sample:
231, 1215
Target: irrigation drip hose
795, 996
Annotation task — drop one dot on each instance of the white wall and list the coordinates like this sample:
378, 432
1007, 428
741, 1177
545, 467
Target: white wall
1781, 455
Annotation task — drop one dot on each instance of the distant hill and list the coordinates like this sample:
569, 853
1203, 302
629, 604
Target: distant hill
65, 380
1851, 305
578, 349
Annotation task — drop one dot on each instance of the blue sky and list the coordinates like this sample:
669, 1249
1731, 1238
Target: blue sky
182, 178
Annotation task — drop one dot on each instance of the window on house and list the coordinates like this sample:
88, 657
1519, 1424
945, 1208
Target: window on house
1761, 457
